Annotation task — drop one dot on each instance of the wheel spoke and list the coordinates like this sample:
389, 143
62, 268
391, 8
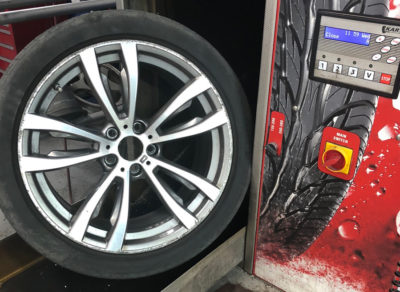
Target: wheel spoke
36, 122
211, 191
187, 219
80, 221
129, 52
116, 239
33, 164
190, 91
214, 121
92, 72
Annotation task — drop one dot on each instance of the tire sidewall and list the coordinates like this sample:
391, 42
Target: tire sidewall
30, 67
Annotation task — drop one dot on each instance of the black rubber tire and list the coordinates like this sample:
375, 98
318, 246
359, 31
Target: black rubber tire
28, 69
299, 200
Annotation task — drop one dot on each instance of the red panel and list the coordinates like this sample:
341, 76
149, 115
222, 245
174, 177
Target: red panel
20, 34
3, 65
7, 39
7, 53
25, 32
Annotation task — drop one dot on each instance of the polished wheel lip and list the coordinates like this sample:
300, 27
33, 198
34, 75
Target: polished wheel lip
219, 119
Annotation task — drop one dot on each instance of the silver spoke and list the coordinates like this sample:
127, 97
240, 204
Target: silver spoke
129, 52
92, 72
211, 191
214, 121
36, 122
80, 222
187, 219
33, 164
117, 237
190, 91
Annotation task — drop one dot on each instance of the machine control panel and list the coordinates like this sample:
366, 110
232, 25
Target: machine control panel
357, 51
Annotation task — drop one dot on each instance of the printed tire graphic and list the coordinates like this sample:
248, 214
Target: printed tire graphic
297, 199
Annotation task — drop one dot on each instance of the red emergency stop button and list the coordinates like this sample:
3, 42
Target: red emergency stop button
334, 160
386, 78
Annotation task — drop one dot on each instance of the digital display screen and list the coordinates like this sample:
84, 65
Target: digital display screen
347, 36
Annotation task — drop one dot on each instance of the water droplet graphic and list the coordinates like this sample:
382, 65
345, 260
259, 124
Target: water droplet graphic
371, 168
357, 256
349, 229
388, 132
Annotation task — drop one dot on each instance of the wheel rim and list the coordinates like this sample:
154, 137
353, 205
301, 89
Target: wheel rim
108, 172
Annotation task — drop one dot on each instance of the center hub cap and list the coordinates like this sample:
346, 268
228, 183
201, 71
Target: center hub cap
130, 148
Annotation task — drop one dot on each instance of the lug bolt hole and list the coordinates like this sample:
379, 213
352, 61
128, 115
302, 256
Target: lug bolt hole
138, 127
108, 147
125, 126
150, 137
112, 133
110, 160
152, 149
148, 162
136, 169
122, 169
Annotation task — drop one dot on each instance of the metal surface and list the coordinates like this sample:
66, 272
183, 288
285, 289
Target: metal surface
121, 4
12, 4
103, 217
10, 17
260, 127
206, 273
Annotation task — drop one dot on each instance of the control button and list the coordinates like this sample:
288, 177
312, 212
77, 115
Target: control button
337, 68
337, 158
322, 65
369, 75
395, 42
376, 57
380, 39
352, 72
334, 160
385, 49
386, 78
391, 60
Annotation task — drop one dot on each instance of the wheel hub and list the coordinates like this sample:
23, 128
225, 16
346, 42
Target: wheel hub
130, 148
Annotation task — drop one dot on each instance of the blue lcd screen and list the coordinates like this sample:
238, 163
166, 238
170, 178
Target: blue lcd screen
347, 36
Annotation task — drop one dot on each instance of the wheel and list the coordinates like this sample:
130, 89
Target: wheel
127, 146
299, 200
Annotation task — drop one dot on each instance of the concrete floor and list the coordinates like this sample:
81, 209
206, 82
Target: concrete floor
238, 280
